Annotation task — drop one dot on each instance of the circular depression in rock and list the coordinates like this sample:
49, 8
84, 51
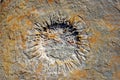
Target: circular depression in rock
61, 44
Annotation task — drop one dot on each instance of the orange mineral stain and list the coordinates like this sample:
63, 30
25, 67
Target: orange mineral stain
50, 1
39, 68
74, 18
20, 17
51, 36
10, 18
28, 22
23, 37
6, 3
116, 75
113, 64
6, 57
115, 60
95, 37
79, 74
26, 1
14, 27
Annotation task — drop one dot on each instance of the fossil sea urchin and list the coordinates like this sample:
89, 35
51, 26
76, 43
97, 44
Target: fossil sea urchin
60, 44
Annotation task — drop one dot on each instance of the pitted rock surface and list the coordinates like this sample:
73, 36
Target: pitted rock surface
59, 39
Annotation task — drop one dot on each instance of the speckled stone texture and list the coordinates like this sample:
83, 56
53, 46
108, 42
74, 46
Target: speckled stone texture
95, 25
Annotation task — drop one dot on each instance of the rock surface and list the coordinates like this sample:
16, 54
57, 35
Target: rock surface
27, 33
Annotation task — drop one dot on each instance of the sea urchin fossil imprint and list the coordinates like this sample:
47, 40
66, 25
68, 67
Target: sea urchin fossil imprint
61, 45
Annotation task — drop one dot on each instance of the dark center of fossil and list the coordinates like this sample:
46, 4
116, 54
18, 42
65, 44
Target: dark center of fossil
60, 41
